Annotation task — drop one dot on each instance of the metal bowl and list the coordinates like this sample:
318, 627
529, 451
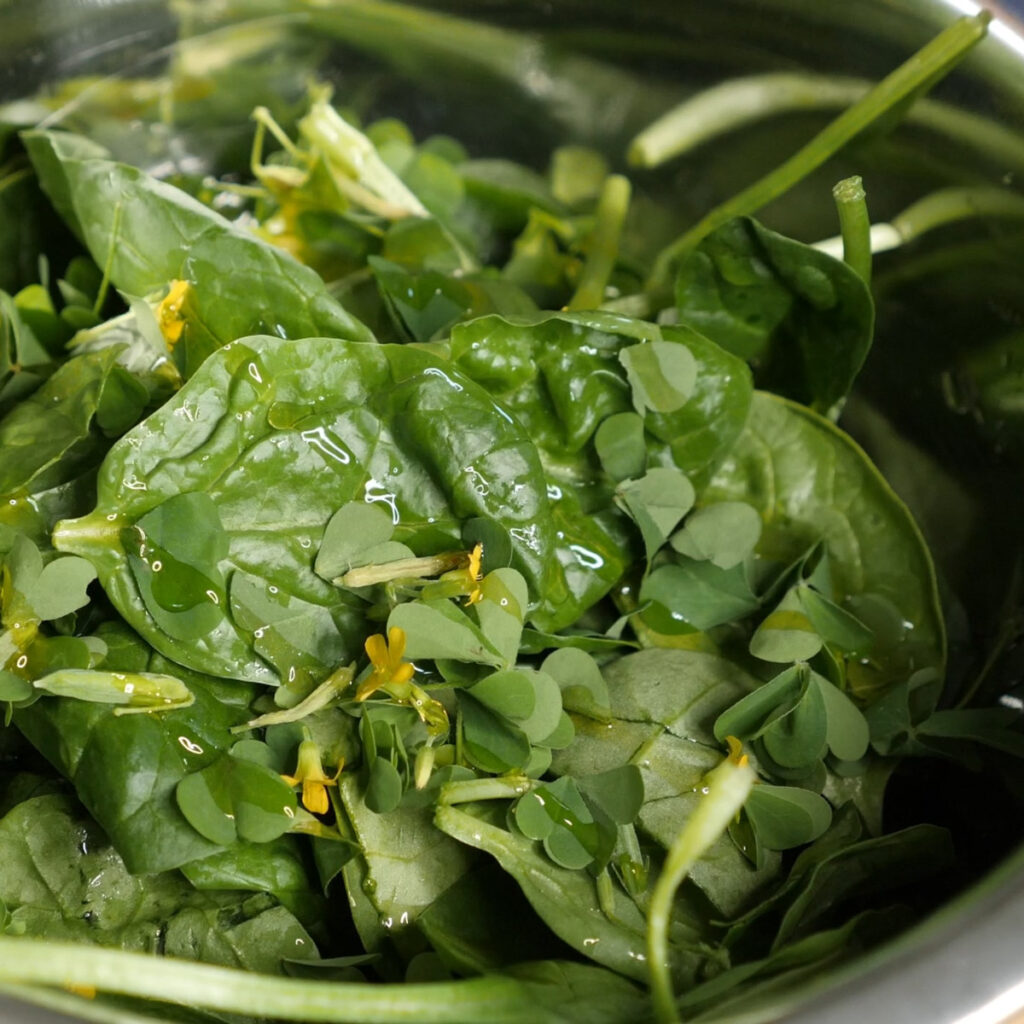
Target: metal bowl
962, 965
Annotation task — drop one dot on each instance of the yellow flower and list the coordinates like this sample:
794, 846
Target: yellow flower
386, 658
309, 773
169, 315
474, 574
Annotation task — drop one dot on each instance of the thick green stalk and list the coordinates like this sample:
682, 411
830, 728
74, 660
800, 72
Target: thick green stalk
854, 225
604, 246
920, 72
67, 965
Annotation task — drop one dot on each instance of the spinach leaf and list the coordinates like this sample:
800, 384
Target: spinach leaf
568, 900
664, 704
804, 319
811, 482
125, 769
62, 880
237, 284
218, 573
561, 376
54, 435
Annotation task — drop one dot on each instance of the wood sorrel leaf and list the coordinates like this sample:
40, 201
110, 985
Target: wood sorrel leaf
353, 530
662, 375
701, 594
235, 798
785, 816
724, 533
579, 677
786, 634
620, 445
656, 502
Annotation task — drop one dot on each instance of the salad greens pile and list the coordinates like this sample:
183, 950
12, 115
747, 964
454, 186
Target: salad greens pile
428, 591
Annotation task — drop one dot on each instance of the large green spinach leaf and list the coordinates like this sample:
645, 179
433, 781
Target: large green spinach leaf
664, 703
62, 880
811, 482
803, 318
210, 513
239, 285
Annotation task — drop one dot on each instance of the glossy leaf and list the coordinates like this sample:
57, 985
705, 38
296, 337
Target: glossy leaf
810, 482
321, 423
804, 318
125, 769
239, 285
63, 880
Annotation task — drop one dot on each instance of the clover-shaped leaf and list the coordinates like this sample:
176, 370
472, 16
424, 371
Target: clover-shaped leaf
786, 816
350, 537
662, 375
236, 799
656, 503
584, 689
621, 447
724, 533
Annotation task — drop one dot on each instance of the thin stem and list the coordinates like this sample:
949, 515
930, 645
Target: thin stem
604, 247
921, 71
854, 225
734, 104
749, 99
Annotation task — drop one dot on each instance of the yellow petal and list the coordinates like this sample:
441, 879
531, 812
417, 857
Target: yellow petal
403, 673
314, 796
396, 645
476, 558
377, 650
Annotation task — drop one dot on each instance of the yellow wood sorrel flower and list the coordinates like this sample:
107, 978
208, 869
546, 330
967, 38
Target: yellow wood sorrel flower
474, 574
388, 667
169, 314
309, 773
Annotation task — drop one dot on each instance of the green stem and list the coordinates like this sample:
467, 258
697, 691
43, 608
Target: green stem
37, 962
604, 246
936, 210
725, 789
920, 72
739, 102
854, 225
